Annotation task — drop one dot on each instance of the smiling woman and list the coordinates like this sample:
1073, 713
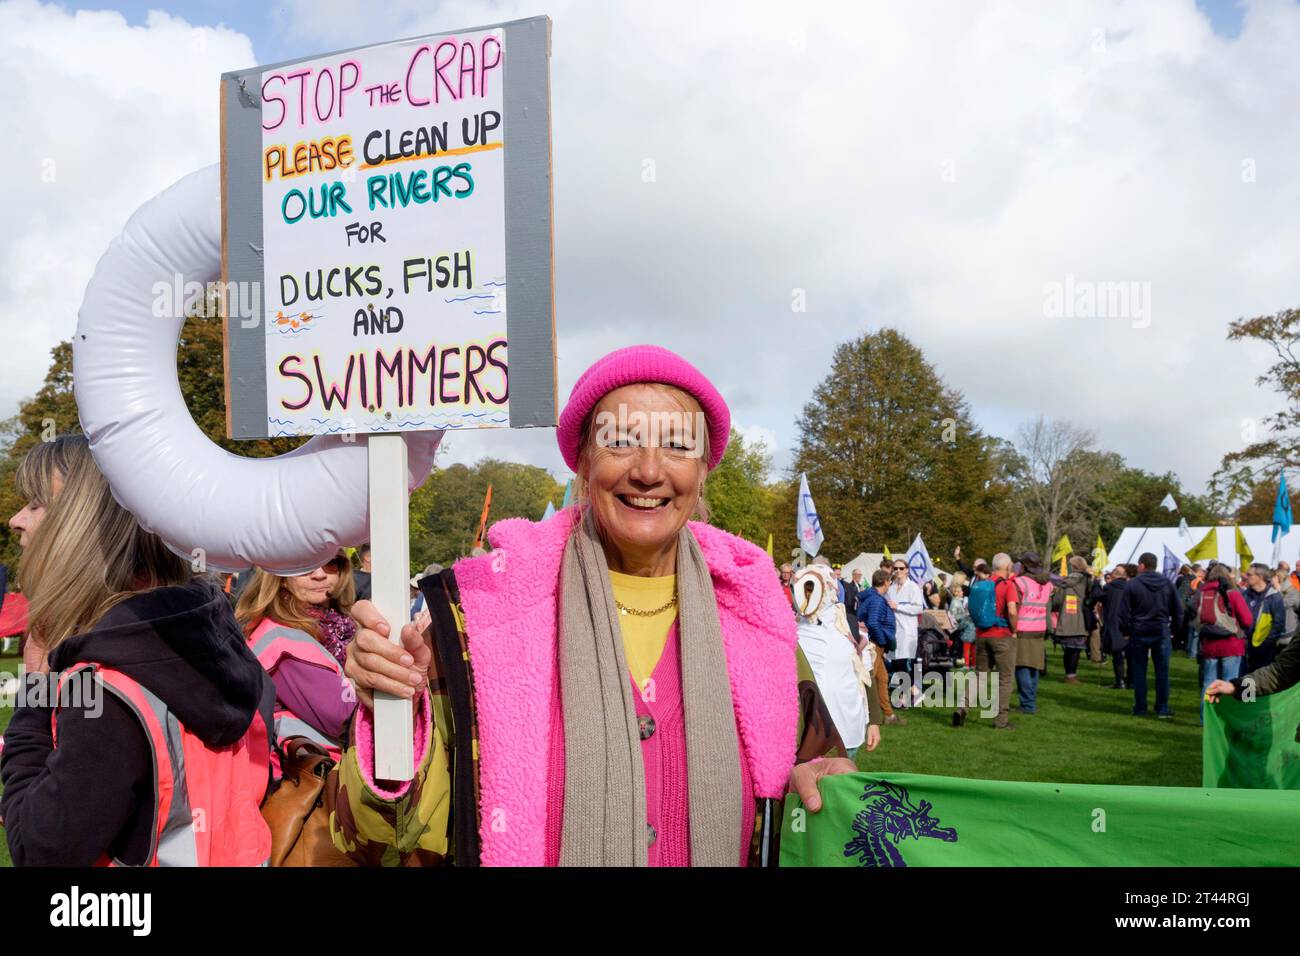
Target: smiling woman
621, 682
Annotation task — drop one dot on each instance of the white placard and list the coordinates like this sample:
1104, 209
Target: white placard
383, 221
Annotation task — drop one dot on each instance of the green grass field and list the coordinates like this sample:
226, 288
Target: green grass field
1082, 733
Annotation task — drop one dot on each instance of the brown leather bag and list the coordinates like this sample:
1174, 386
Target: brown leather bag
295, 810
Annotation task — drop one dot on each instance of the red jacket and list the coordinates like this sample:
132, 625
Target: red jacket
1237, 607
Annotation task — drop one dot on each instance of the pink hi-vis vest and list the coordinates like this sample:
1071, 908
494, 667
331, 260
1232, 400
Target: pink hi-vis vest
206, 799
1031, 615
272, 642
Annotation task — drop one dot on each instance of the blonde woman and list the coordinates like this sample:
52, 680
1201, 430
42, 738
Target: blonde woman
299, 629
157, 707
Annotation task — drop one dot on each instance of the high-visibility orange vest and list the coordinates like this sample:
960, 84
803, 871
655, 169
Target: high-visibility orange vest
271, 642
206, 799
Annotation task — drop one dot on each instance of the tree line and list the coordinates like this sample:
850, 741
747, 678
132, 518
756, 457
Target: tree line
890, 449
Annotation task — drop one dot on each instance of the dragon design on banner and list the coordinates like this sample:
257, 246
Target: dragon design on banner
890, 818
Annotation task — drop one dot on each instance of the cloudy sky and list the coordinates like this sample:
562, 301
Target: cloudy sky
949, 169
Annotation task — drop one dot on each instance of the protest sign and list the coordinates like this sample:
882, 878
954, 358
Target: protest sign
391, 206
386, 216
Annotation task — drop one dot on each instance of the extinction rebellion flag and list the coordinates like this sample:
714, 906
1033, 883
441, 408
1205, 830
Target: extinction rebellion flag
1253, 745
914, 820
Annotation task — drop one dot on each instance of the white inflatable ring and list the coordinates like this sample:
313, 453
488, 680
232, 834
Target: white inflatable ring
287, 514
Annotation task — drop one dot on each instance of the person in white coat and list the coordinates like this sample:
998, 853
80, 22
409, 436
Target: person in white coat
904, 596
831, 652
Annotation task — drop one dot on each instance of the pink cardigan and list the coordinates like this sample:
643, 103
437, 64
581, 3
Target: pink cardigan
510, 600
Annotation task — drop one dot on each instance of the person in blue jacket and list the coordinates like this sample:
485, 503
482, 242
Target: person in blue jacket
1263, 598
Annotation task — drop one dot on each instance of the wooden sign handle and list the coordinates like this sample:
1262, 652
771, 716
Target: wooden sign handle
390, 592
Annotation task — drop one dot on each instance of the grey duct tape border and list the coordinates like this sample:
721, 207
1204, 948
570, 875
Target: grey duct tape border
530, 317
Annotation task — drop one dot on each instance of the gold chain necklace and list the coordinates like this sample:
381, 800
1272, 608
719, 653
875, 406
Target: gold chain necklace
624, 609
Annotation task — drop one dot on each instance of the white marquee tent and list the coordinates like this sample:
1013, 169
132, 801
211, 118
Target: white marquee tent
1133, 542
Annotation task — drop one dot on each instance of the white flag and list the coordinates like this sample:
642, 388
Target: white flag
1169, 504
807, 527
919, 568
1183, 530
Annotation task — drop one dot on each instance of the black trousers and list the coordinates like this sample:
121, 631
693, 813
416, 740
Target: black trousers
1117, 659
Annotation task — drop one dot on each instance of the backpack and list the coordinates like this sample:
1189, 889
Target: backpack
1216, 620
983, 604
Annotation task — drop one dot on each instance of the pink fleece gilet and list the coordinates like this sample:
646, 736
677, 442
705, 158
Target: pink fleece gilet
510, 599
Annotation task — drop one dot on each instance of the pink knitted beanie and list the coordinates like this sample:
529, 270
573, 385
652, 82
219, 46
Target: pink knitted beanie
641, 363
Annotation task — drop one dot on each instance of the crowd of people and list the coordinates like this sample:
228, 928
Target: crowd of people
997, 616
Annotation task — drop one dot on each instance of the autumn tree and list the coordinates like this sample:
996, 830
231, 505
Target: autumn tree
739, 497
1240, 472
890, 450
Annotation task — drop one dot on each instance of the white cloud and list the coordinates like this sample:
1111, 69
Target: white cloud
930, 166
97, 117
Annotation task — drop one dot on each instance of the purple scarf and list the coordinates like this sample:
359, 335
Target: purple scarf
336, 632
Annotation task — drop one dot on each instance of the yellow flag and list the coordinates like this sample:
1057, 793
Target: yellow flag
769, 546
1099, 557
888, 556
1243, 549
1207, 549
1063, 548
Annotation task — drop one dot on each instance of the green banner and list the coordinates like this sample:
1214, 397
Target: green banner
1252, 746
913, 820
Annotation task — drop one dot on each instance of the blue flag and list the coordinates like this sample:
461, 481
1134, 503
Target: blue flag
919, 567
1171, 565
550, 510
1282, 510
807, 526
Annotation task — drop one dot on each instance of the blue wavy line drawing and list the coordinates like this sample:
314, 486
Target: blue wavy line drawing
465, 298
327, 427
494, 283
488, 311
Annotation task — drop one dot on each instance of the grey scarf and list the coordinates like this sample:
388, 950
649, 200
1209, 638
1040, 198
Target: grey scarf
604, 776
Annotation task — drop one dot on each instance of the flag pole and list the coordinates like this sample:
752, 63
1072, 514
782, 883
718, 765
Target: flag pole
482, 521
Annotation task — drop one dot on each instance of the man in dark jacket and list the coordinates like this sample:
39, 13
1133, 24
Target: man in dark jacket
1148, 613
851, 590
1113, 641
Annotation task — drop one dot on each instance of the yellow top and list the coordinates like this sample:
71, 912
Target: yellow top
644, 637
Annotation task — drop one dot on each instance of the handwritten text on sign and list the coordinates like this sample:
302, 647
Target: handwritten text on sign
383, 219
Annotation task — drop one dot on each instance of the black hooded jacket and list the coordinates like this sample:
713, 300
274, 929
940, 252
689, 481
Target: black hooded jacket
94, 794
1150, 605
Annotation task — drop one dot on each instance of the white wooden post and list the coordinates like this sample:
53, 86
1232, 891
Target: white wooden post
390, 591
